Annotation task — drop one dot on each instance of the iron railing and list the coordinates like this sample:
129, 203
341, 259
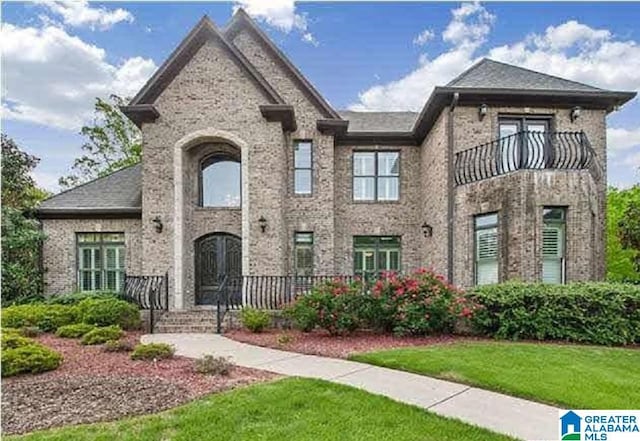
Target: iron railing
148, 292
526, 150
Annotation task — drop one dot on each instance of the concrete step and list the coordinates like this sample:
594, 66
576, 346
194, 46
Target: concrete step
188, 321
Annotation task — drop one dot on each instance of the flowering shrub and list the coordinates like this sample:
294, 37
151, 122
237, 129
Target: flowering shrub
334, 305
421, 303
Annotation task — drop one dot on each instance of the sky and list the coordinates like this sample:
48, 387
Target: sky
58, 56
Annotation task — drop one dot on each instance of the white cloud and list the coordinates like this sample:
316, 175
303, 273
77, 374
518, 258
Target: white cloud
281, 14
571, 50
52, 78
632, 160
620, 139
424, 37
79, 13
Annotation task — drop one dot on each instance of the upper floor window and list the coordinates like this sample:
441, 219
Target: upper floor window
100, 261
524, 143
376, 176
303, 254
303, 167
220, 181
553, 244
374, 254
486, 248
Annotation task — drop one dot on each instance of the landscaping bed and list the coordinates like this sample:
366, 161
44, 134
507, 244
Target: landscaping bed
94, 385
320, 342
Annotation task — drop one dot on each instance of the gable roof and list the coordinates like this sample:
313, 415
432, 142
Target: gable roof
203, 31
490, 74
240, 21
379, 121
117, 193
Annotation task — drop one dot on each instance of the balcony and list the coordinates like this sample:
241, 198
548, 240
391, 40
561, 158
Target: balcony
526, 151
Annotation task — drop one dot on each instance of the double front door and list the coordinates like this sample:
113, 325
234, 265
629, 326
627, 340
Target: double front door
218, 257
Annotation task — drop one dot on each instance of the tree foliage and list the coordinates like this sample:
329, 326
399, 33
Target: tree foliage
623, 234
21, 234
113, 142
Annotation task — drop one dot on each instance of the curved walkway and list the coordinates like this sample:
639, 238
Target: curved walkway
501, 413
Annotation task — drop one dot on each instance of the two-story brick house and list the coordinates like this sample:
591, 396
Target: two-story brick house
248, 170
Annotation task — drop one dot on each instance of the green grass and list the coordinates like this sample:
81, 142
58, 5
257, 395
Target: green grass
290, 409
579, 377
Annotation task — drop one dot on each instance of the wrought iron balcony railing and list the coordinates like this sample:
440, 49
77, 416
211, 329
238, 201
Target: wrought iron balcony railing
526, 150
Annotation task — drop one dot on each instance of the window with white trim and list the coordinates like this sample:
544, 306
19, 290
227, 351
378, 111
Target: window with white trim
486, 248
554, 244
303, 167
303, 254
100, 261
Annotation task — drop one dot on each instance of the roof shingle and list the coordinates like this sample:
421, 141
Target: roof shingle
379, 121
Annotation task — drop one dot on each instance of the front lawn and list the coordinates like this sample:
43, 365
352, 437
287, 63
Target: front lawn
289, 409
579, 377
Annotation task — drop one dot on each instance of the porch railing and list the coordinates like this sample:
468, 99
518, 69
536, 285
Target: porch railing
526, 150
148, 292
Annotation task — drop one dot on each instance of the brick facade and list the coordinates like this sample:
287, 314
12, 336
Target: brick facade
212, 105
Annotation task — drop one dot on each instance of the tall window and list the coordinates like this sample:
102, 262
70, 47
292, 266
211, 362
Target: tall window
303, 167
303, 254
486, 248
376, 176
553, 244
100, 261
374, 254
220, 181
523, 143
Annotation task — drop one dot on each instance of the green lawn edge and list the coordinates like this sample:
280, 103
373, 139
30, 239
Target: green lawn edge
291, 408
569, 376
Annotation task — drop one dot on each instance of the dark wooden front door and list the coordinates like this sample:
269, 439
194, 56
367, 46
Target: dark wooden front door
217, 256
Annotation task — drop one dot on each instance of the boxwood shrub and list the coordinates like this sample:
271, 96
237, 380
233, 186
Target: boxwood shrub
255, 320
43, 316
598, 313
21, 355
74, 331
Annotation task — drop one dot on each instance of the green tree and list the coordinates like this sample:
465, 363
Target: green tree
623, 234
21, 234
113, 142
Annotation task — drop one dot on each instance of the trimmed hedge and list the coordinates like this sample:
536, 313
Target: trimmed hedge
21, 355
43, 316
598, 313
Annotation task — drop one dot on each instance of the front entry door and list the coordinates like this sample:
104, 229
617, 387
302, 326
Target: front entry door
217, 256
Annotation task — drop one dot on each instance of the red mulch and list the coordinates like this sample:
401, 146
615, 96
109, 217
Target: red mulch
320, 342
93, 385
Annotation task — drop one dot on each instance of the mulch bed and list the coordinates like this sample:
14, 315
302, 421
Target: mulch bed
320, 342
93, 385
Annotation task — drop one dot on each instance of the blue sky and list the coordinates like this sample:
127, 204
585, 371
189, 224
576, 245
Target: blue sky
368, 56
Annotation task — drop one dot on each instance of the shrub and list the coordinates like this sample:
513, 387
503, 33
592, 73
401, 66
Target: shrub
152, 351
76, 297
118, 346
599, 313
420, 303
98, 336
284, 339
255, 320
74, 331
12, 340
30, 331
211, 365
109, 311
45, 317
30, 358
303, 315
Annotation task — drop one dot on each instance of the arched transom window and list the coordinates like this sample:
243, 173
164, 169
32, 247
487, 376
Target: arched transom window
220, 181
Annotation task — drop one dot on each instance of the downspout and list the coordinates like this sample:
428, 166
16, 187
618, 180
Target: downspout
450, 187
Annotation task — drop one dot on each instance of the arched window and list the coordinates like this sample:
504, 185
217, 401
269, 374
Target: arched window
220, 181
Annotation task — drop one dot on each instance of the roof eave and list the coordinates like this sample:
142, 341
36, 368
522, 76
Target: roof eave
378, 138
89, 213
283, 113
140, 113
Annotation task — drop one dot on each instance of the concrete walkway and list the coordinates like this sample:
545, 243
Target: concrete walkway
501, 413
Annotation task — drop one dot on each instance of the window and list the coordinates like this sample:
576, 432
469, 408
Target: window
100, 261
374, 254
303, 254
523, 143
486, 248
553, 245
376, 176
220, 181
303, 167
